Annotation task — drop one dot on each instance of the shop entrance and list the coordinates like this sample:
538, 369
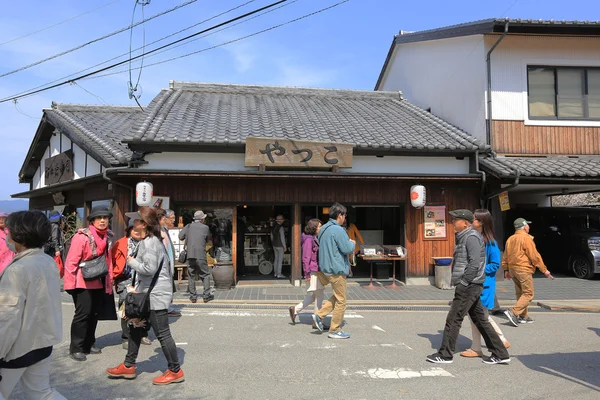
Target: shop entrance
255, 254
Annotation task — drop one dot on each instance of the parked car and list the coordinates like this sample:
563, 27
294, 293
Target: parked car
568, 238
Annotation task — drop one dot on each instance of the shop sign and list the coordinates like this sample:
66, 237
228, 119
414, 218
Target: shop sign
59, 168
435, 222
273, 152
504, 203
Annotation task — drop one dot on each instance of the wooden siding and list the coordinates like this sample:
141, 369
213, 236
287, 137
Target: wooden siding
514, 137
227, 191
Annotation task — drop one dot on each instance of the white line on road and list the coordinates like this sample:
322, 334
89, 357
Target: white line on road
401, 373
181, 344
377, 328
256, 314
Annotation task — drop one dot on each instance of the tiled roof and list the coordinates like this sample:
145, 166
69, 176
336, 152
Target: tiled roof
205, 114
548, 167
98, 130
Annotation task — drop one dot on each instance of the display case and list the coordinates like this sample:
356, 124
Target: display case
394, 250
371, 250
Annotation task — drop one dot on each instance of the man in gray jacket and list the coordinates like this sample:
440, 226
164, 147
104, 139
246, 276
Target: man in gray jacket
196, 235
468, 274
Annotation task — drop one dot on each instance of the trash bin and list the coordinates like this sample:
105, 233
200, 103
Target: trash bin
382, 270
443, 273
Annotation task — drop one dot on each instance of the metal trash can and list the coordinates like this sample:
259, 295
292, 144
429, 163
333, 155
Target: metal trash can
443, 273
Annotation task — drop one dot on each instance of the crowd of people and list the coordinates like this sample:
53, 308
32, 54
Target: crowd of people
139, 268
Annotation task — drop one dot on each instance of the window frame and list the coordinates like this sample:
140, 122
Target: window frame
555, 68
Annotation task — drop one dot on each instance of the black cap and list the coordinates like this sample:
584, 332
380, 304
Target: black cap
463, 214
99, 211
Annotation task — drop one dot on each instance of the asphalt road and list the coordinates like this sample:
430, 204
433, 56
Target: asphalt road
258, 354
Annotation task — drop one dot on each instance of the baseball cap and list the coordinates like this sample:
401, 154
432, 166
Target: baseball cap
463, 214
521, 222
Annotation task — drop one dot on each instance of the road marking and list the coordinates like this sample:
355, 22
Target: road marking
256, 314
181, 344
401, 373
377, 328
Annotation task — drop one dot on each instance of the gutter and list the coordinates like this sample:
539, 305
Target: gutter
489, 83
509, 187
110, 181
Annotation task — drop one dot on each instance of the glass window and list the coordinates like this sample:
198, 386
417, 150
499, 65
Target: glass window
569, 83
593, 86
541, 92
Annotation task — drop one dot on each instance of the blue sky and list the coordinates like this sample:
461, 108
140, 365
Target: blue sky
340, 48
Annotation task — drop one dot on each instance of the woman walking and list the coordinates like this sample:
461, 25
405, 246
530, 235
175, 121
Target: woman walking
5, 254
88, 244
123, 248
314, 288
151, 258
484, 224
30, 309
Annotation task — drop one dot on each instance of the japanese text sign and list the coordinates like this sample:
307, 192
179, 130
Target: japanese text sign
273, 152
59, 168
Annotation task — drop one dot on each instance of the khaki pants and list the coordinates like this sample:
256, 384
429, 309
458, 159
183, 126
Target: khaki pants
524, 290
35, 381
337, 302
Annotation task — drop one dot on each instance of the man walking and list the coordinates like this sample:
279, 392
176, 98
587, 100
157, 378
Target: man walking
334, 247
196, 235
278, 241
468, 274
164, 216
519, 261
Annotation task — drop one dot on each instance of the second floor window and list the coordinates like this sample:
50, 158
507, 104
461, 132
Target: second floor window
563, 93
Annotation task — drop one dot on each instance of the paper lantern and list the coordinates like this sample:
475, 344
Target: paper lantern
417, 196
143, 193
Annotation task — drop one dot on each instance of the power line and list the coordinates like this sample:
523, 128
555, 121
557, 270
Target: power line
97, 39
132, 89
90, 93
21, 112
230, 41
163, 38
58, 23
146, 53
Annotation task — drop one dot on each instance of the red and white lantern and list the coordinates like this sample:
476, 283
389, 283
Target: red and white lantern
143, 194
417, 196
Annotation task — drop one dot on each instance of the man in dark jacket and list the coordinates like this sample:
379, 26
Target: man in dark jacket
55, 245
196, 235
468, 274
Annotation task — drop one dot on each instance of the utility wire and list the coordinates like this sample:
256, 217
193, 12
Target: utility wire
21, 112
58, 23
161, 39
132, 89
147, 53
90, 93
230, 41
97, 39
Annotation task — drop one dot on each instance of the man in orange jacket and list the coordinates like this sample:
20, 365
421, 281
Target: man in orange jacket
519, 261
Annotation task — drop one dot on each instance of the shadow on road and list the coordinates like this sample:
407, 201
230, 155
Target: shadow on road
579, 368
462, 342
595, 330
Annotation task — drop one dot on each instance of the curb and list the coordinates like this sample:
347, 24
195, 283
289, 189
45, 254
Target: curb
557, 305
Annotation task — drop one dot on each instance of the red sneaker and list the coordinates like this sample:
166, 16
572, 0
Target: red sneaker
121, 372
169, 377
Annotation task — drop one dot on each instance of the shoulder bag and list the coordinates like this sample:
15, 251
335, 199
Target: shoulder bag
137, 305
97, 267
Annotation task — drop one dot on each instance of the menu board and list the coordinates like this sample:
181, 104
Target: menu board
435, 222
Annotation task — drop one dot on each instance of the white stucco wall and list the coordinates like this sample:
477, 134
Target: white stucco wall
66, 144
37, 181
78, 162
448, 75
360, 164
509, 70
93, 166
55, 144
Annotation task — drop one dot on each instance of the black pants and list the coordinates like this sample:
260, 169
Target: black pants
125, 330
83, 328
200, 266
466, 300
159, 321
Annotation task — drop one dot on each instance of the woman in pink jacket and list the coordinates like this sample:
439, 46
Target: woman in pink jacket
88, 295
6, 255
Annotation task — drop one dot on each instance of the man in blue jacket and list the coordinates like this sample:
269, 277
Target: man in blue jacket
334, 267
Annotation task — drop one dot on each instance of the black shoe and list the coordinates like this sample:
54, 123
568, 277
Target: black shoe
95, 350
209, 298
174, 313
495, 360
438, 359
193, 300
527, 320
512, 317
78, 356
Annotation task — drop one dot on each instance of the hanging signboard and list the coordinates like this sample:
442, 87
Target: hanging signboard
59, 168
272, 152
435, 222
504, 203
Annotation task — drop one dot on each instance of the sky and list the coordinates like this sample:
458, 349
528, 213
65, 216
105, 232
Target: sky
343, 47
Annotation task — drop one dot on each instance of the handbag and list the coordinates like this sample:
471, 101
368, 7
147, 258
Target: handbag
137, 305
182, 256
97, 267
60, 265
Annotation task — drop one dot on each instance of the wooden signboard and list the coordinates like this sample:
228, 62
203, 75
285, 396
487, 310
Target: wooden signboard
272, 152
59, 168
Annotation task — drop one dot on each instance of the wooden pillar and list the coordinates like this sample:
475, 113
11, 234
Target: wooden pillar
296, 245
234, 243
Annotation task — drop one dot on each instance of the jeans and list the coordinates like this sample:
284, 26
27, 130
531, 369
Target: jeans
524, 290
200, 266
159, 320
35, 381
336, 303
83, 327
278, 260
466, 300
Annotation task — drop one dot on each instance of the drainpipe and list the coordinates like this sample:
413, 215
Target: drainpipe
482, 199
509, 187
131, 189
489, 84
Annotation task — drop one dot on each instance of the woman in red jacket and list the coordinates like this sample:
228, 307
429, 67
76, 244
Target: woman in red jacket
88, 295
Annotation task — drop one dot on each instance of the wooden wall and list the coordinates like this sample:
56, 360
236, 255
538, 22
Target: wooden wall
514, 137
228, 191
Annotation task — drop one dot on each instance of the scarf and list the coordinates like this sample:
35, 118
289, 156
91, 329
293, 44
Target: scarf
99, 239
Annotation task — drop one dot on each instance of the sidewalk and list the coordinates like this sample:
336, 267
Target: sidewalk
553, 294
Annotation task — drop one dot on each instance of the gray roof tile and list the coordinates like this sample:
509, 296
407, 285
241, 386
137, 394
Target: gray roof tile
193, 113
548, 167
